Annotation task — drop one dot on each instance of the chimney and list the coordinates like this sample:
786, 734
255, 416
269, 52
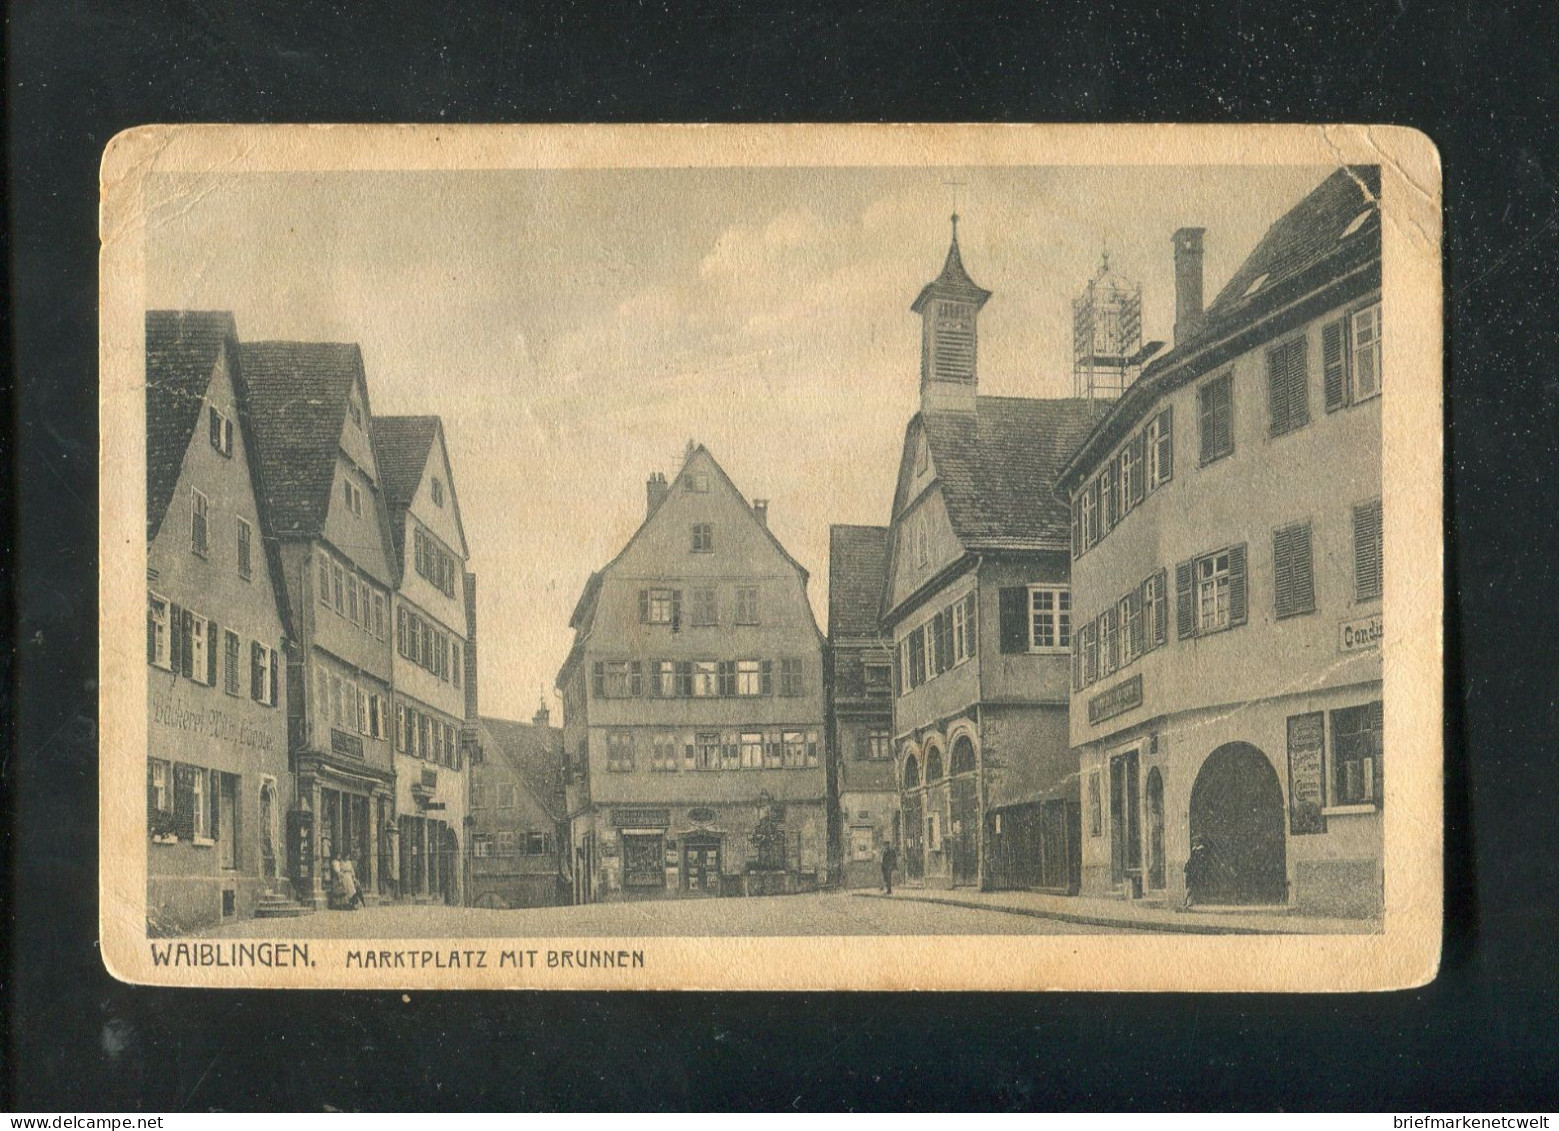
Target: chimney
542, 716
1188, 283
760, 507
655, 491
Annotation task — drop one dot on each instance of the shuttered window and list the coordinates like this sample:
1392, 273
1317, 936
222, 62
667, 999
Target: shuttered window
1365, 354
1334, 364
230, 658
1293, 571
1155, 611
1210, 592
1367, 551
1090, 637
1159, 439
197, 522
1288, 386
1216, 402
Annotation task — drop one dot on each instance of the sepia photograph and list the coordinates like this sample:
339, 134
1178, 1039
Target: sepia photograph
771, 557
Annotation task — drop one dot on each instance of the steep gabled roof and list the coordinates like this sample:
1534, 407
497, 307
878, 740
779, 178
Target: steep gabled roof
401, 446
857, 565
298, 393
182, 347
997, 468
1313, 247
536, 755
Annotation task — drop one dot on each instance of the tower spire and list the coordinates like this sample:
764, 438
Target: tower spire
948, 307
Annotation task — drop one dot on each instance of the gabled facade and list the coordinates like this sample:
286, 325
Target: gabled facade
217, 779
1226, 531
519, 819
693, 705
430, 661
864, 791
313, 429
976, 604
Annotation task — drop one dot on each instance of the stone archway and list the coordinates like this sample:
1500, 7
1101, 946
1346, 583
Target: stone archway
963, 831
912, 805
1237, 813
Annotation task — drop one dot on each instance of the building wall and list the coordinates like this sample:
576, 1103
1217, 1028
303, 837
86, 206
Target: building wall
1039, 677
1242, 683
955, 688
943, 548
205, 726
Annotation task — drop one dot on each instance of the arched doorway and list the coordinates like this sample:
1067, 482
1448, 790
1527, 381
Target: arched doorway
1155, 830
1237, 812
964, 813
914, 821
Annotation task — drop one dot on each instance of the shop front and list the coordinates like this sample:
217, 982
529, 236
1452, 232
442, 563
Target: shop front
338, 820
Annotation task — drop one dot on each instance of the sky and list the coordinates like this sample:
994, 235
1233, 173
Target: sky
575, 329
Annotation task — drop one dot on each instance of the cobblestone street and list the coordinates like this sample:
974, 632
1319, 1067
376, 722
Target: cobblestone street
829, 913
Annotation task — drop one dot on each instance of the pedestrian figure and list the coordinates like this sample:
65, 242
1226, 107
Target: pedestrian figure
1197, 865
890, 861
351, 891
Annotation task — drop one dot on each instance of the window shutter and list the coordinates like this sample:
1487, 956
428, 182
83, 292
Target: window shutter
1161, 612
1014, 600
1138, 629
1077, 661
1090, 652
644, 606
1283, 571
175, 638
1304, 573
727, 677
151, 639
1098, 511
256, 671
213, 796
1367, 551
1334, 363
1139, 460
684, 677
1185, 598
898, 671
1237, 602
151, 795
676, 610
1077, 526
184, 801
212, 637
636, 678
598, 675
1166, 444
766, 678
971, 623
938, 658
187, 630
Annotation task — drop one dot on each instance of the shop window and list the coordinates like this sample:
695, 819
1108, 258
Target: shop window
1356, 754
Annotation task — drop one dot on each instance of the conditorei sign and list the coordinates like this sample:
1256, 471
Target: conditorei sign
1361, 635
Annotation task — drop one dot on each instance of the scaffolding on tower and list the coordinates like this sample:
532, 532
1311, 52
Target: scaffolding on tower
1107, 351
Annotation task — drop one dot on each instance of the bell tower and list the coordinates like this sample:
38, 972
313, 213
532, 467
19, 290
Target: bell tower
948, 307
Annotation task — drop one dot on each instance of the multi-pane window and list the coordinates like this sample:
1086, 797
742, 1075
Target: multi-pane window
199, 506
703, 611
245, 550
1364, 350
619, 751
221, 431
157, 635
703, 537
1356, 755
1288, 386
1131, 475
1160, 449
1368, 572
1155, 611
352, 496
879, 746
795, 748
747, 604
1109, 643
1128, 612
706, 750
263, 676
791, 681
434, 562
697, 482
1050, 618
230, 662
659, 606
159, 792
201, 668
1293, 571
748, 677
1215, 400
1088, 508
1212, 592
201, 813
752, 750
663, 753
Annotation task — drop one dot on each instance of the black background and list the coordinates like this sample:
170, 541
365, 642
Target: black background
1479, 79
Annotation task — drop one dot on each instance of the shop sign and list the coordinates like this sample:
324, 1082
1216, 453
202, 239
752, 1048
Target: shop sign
1361, 635
1116, 701
1306, 792
210, 722
346, 745
654, 818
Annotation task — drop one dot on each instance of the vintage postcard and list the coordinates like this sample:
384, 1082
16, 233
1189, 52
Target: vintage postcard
827, 557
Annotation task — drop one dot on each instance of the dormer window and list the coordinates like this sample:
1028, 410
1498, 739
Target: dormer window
438, 492
1256, 284
221, 431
